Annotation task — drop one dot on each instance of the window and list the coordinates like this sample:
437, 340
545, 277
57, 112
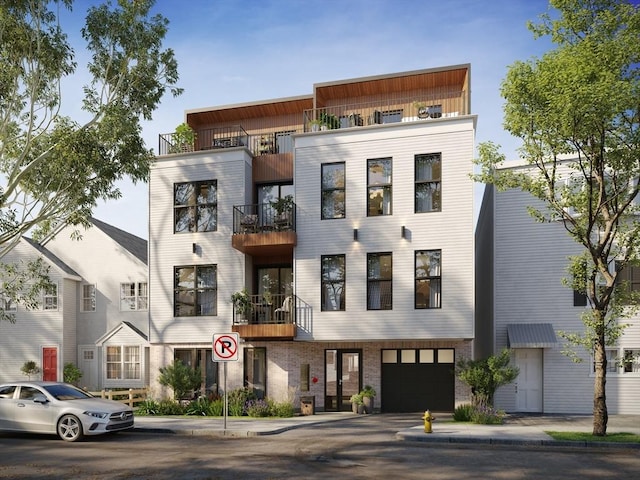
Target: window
379, 187
284, 141
629, 276
88, 298
379, 274
7, 304
631, 361
255, 370
195, 290
333, 190
428, 172
333, 282
134, 296
428, 278
195, 206
50, 297
123, 362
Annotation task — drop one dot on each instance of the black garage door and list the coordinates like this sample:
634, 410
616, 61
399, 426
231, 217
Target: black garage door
415, 380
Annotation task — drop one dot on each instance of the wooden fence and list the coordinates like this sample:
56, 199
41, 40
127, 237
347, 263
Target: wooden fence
130, 396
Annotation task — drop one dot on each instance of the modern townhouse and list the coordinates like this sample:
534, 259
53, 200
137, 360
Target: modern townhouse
520, 267
95, 316
342, 224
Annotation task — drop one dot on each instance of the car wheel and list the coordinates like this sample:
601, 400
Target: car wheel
69, 428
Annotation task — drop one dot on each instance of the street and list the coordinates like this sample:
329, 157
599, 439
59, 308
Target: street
348, 449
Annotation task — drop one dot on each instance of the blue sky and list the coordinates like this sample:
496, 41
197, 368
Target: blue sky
239, 51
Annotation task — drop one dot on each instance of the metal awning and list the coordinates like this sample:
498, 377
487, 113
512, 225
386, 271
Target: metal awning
531, 335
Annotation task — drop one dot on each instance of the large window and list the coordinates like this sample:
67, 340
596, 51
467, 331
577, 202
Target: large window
379, 187
50, 297
195, 206
428, 172
195, 290
629, 277
134, 296
379, 277
88, 298
123, 362
333, 190
333, 282
428, 278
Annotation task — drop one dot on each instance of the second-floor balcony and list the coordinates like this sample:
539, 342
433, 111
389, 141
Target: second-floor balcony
266, 317
265, 228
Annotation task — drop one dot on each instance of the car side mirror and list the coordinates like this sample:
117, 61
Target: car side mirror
40, 399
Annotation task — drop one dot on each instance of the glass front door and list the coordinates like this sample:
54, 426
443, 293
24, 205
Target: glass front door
343, 378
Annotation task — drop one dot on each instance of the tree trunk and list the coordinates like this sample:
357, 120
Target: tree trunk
600, 415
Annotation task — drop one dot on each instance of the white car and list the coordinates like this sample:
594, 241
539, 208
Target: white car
54, 407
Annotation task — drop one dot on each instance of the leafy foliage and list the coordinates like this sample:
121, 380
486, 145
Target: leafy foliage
486, 375
56, 168
238, 399
22, 283
577, 111
30, 368
71, 373
181, 378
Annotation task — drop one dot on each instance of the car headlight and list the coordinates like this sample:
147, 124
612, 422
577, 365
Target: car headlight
97, 414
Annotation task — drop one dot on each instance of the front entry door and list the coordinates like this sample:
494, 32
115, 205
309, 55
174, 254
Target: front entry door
529, 381
50, 364
343, 375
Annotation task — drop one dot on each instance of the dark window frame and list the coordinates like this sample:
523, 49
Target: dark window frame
332, 191
431, 184
193, 206
381, 282
327, 282
373, 186
428, 278
196, 290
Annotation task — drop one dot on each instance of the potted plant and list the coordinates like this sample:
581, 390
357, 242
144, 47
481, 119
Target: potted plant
284, 209
182, 139
422, 109
242, 304
368, 395
328, 121
357, 404
314, 125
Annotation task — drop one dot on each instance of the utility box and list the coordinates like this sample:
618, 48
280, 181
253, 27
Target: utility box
308, 405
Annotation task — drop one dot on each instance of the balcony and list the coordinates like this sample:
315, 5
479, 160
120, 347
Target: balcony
205, 139
263, 229
266, 317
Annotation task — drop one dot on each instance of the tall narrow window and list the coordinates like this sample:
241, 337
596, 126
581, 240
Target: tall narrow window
50, 297
333, 190
379, 277
428, 279
195, 291
88, 298
195, 206
133, 296
333, 282
428, 172
379, 187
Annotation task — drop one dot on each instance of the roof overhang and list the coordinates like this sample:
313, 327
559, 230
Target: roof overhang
531, 335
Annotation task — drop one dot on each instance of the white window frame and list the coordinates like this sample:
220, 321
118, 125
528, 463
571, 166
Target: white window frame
8, 305
139, 301
88, 299
50, 300
616, 363
124, 362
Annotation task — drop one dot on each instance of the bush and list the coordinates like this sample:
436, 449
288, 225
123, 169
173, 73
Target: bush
216, 407
487, 416
71, 373
282, 409
463, 413
148, 407
258, 408
198, 407
30, 368
238, 400
169, 407
180, 377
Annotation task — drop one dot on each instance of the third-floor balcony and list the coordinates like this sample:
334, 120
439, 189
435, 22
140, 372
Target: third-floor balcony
265, 228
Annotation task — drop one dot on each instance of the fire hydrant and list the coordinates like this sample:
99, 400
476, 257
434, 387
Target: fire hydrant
428, 421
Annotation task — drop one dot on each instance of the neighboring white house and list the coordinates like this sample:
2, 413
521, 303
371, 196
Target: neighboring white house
367, 277
520, 265
98, 317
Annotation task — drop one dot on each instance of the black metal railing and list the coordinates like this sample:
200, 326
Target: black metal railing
205, 139
263, 218
266, 309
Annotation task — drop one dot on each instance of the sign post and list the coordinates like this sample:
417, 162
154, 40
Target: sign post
225, 349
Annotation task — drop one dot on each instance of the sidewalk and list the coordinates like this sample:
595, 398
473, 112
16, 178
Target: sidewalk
517, 429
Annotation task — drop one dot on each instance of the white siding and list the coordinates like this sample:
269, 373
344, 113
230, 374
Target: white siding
232, 169
450, 230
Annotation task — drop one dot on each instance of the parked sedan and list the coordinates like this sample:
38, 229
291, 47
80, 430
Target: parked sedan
53, 407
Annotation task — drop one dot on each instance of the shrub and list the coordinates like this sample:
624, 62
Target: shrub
487, 415
71, 373
148, 407
180, 377
216, 407
463, 413
30, 368
169, 407
198, 407
238, 399
282, 409
258, 408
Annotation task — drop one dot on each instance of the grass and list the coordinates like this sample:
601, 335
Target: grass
621, 437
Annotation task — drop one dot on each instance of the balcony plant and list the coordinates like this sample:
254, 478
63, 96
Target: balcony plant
284, 209
182, 139
242, 304
328, 121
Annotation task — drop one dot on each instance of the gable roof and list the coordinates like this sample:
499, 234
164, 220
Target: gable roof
52, 258
125, 327
135, 245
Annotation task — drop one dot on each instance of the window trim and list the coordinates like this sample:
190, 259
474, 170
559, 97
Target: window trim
426, 277
122, 362
48, 296
196, 289
193, 228
418, 182
343, 281
333, 190
379, 280
91, 298
137, 297
384, 186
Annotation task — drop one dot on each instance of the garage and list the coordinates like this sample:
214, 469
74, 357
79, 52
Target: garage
415, 380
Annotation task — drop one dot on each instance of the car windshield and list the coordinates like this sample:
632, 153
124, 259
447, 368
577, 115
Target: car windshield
66, 392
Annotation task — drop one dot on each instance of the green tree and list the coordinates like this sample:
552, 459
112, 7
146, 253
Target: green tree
486, 375
577, 111
53, 169
22, 283
30, 368
181, 378
71, 373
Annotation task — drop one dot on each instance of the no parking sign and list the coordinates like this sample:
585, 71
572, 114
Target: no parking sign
225, 347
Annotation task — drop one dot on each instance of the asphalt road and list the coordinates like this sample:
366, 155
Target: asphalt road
345, 450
